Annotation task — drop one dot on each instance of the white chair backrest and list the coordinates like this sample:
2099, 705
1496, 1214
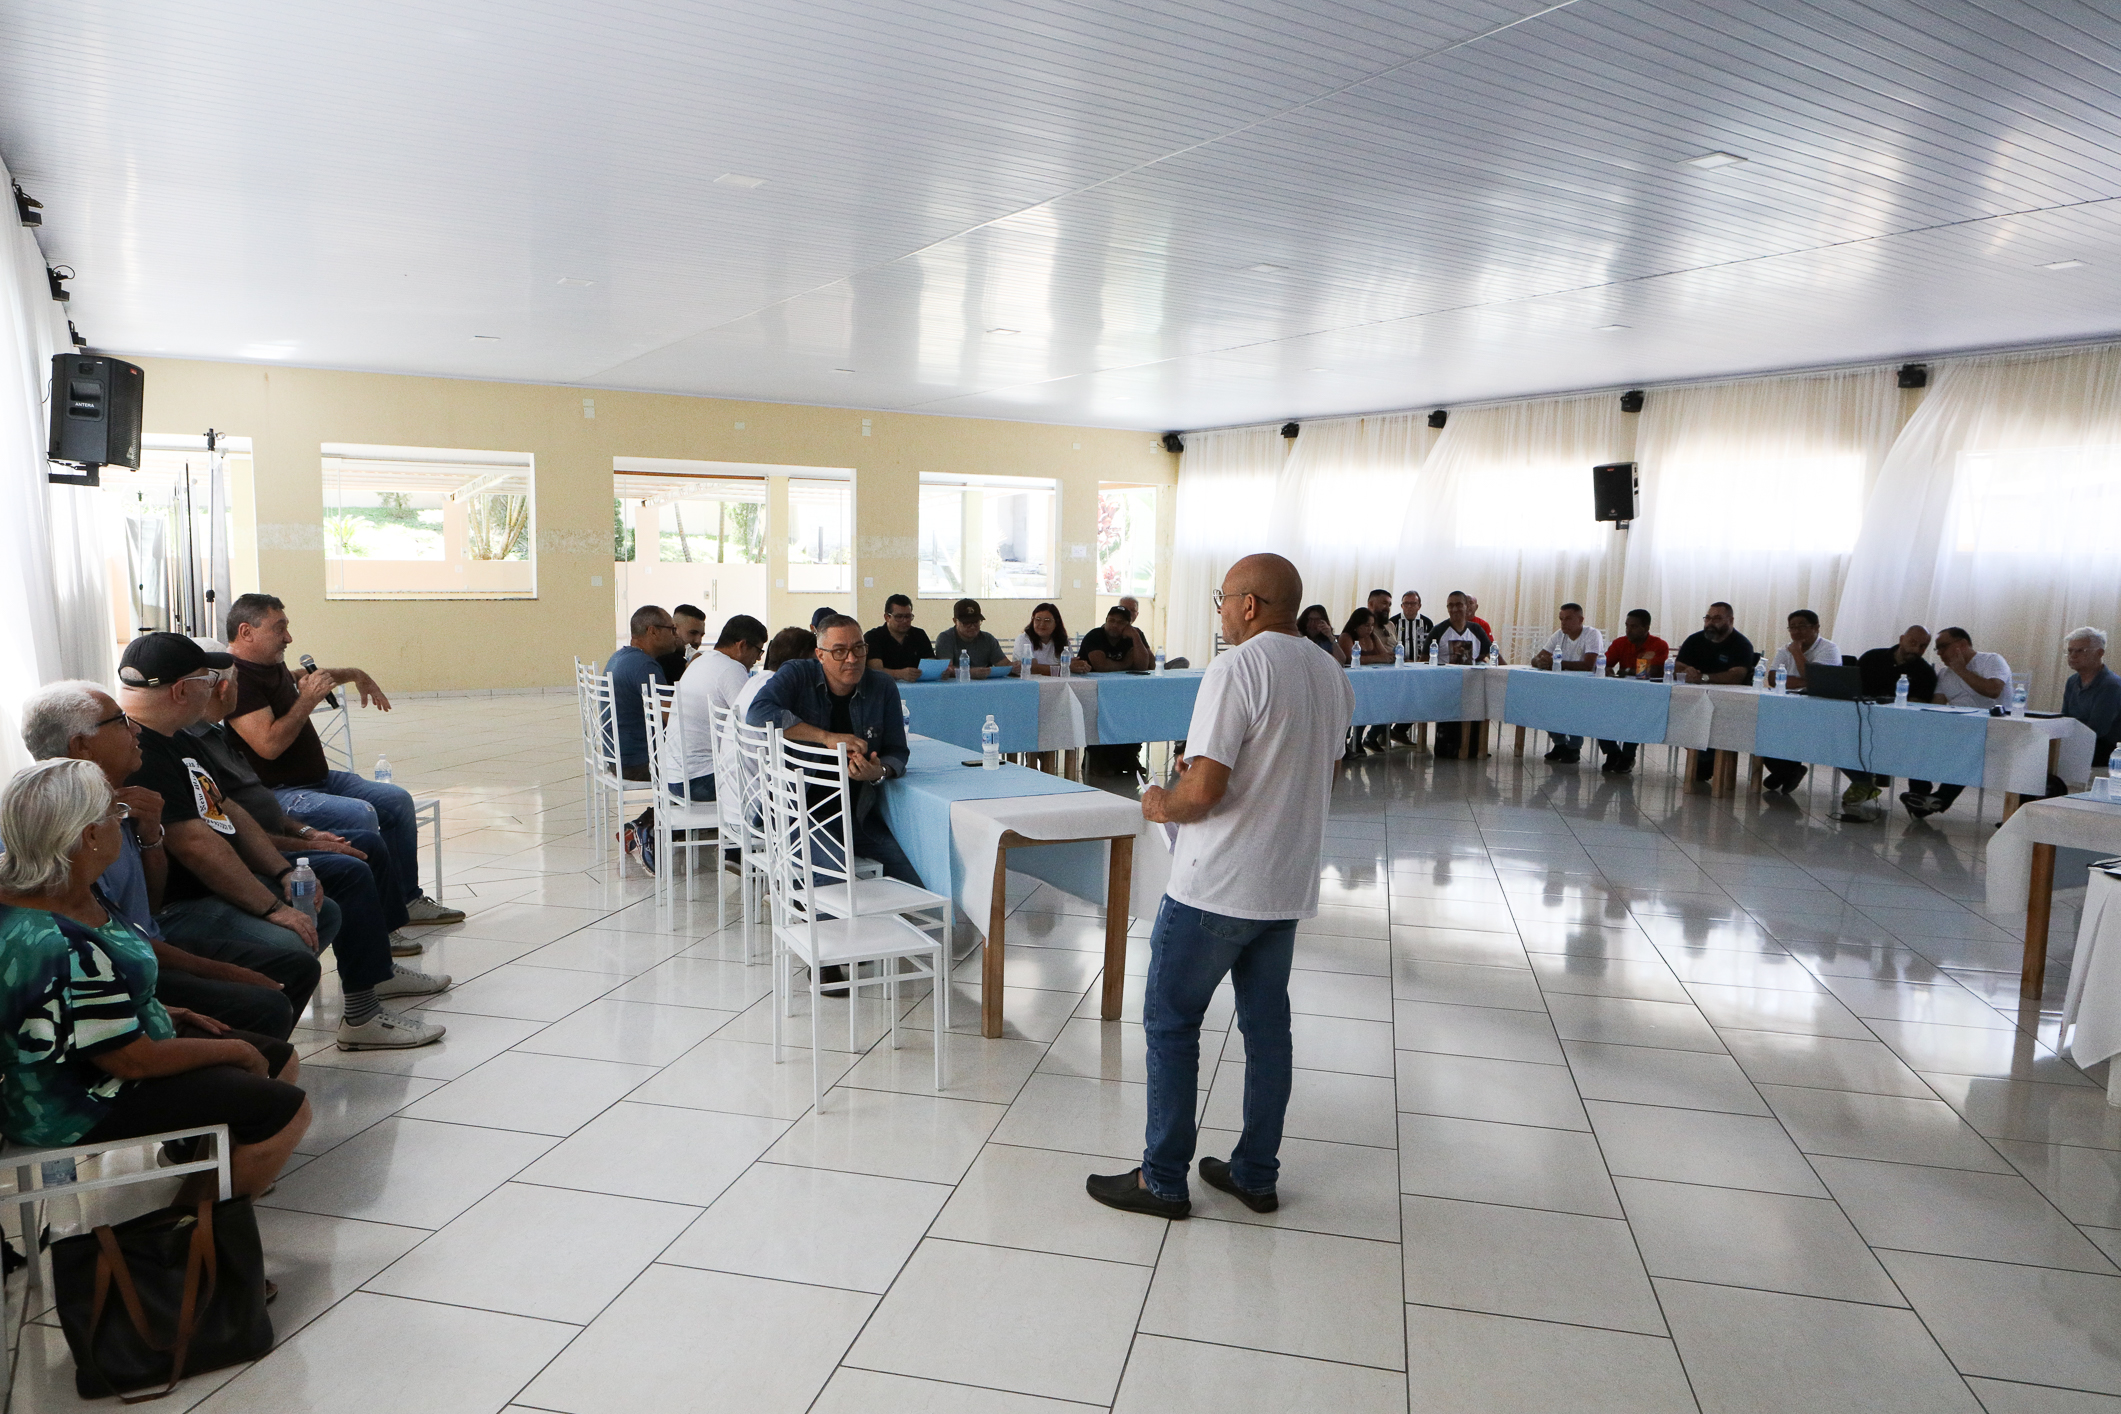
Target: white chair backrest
335, 729
818, 801
753, 746
601, 724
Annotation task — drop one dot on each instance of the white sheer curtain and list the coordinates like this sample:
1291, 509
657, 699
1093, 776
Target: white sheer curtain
1503, 511
1999, 510
1754, 493
1339, 503
1225, 504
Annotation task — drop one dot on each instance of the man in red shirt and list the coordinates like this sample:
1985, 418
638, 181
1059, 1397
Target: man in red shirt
1635, 654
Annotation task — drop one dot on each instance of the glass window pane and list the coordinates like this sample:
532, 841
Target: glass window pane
411, 523
1126, 540
992, 536
942, 557
820, 537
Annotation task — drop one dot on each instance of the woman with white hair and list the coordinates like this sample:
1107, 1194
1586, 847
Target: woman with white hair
87, 1054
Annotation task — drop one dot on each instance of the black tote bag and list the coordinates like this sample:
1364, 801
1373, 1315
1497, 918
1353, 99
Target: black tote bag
171, 1293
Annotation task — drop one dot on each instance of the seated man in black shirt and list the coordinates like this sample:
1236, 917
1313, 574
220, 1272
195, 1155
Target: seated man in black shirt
691, 621
1719, 654
1879, 669
896, 647
1116, 646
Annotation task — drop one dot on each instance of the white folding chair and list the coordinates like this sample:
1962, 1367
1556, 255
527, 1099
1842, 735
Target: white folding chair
335, 729
31, 1193
607, 779
743, 823
824, 917
584, 705
700, 821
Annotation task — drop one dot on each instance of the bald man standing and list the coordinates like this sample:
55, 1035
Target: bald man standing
1250, 805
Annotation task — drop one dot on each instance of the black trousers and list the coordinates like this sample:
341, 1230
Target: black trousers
1622, 752
1945, 794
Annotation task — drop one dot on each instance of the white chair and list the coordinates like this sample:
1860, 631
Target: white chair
700, 821
610, 789
750, 748
31, 1193
823, 917
584, 701
335, 728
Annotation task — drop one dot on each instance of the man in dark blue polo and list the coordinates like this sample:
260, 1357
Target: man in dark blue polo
837, 697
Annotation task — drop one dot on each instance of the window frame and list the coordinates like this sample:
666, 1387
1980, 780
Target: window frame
969, 481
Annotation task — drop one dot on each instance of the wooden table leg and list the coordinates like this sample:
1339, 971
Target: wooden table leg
1421, 737
1465, 741
990, 982
2039, 903
2011, 801
1726, 778
1520, 741
1119, 893
1755, 775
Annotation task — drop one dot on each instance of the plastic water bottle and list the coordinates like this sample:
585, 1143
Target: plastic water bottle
990, 746
2017, 694
2113, 778
1066, 659
1023, 653
1760, 674
905, 712
383, 769
1159, 662
1598, 662
302, 888
964, 665
1900, 691
1494, 656
1436, 652
1399, 653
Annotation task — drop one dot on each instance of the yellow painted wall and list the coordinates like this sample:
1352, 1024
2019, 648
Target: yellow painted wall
437, 645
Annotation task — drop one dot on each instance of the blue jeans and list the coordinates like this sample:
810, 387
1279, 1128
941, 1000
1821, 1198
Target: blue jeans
212, 927
343, 802
1190, 952
362, 946
698, 788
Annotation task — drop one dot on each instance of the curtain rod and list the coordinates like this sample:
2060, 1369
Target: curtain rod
1706, 381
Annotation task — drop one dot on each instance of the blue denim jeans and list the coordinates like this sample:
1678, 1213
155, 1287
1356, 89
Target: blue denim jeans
1190, 952
698, 788
362, 945
214, 928
343, 801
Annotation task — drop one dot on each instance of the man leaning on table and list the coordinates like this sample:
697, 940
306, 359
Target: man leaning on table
1969, 679
1805, 648
966, 636
1719, 654
1572, 646
1250, 805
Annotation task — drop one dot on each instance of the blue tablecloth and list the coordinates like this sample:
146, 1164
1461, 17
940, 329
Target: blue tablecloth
1145, 708
956, 711
1412, 694
917, 808
1927, 744
1584, 704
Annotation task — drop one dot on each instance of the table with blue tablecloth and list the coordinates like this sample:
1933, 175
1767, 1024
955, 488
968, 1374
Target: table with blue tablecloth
964, 827
957, 711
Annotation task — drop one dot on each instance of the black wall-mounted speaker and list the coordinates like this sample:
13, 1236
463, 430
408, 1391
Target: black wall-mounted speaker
1613, 491
96, 404
1438, 418
1173, 443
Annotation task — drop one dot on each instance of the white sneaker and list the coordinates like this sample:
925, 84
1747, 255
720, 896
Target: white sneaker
389, 1031
425, 910
404, 982
403, 946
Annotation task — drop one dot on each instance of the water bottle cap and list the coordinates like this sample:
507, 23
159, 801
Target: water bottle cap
303, 861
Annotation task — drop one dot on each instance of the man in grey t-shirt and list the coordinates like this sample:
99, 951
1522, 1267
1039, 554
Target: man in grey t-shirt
966, 636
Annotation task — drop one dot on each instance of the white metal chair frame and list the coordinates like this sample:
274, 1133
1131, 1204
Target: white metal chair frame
337, 736
31, 1193
752, 746
699, 820
609, 789
843, 921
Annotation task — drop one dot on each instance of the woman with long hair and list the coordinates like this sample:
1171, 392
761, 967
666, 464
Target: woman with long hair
1039, 645
1314, 625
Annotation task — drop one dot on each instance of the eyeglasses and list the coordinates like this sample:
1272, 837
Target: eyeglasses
120, 717
120, 811
902, 617
1239, 593
841, 655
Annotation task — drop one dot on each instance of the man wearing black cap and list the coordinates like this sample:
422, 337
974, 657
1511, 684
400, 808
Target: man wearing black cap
966, 636
224, 874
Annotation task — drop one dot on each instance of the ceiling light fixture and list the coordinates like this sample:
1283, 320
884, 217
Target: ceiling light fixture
1609, 328
738, 179
1265, 269
487, 338
1005, 331
1708, 161
2063, 265
576, 282
843, 370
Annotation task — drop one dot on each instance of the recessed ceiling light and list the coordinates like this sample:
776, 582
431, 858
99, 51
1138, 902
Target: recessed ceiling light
1318, 370
1005, 331
576, 281
1713, 159
490, 338
843, 370
1265, 269
1609, 328
738, 179
2063, 265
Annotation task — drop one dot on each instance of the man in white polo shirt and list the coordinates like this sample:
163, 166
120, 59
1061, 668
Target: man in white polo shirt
1967, 679
1250, 806
1574, 646
1805, 648
714, 680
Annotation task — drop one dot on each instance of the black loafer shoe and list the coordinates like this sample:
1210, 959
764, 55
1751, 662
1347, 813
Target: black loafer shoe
1125, 1192
1216, 1174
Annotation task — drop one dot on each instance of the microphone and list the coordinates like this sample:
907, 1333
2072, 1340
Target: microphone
331, 699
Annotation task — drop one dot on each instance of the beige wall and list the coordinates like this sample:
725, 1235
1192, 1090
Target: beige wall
430, 645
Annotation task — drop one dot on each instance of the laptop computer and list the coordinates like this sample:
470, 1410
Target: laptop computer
1842, 682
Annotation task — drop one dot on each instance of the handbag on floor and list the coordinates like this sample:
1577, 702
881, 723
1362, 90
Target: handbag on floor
171, 1293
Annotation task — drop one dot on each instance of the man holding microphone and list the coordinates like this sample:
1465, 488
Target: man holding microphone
1250, 805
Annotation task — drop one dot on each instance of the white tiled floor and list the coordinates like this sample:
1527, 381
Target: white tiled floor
1609, 1098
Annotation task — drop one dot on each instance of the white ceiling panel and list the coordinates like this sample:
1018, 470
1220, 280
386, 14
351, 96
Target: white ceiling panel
1059, 210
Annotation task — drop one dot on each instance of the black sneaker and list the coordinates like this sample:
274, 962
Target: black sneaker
1125, 1192
1216, 1174
1919, 806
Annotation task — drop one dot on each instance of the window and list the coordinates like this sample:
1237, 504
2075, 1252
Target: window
820, 537
1126, 540
428, 523
1529, 508
2007, 501
1715, 505
726, 530
987, 536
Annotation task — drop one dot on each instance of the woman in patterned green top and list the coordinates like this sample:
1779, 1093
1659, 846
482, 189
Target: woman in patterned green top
86, 1052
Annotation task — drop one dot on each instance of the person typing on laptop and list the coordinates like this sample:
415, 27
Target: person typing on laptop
1969, 679
1805, 648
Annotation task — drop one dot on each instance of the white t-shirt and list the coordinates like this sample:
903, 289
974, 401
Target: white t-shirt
729, 785
1953, 689
1821, 651
711, 680
1274, 710
1446, 635
1571, 650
